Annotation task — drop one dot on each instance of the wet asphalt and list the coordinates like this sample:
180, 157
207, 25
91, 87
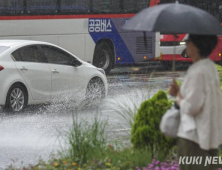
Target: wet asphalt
38, 132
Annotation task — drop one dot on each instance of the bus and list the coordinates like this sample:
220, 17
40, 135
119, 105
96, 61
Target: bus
90, 29
170, 44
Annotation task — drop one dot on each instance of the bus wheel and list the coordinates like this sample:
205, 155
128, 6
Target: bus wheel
103, 57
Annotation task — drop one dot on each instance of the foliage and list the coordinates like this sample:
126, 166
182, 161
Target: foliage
110, 159
179, 82
219, 69
85, 140
126, 106
88, 149
145, 130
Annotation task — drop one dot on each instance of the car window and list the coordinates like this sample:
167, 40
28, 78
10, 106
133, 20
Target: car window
28, 54
16, 56
57, 56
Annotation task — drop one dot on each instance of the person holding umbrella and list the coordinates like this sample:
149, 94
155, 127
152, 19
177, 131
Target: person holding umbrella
199, 99
200, 102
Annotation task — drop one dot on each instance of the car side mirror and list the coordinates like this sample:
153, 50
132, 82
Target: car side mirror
76, 63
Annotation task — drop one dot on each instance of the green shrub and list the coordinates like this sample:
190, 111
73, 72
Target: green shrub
219, 69
145, 131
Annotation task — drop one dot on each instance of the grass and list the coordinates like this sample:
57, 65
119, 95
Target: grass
87, 148
108, 158
126, 106
85, 140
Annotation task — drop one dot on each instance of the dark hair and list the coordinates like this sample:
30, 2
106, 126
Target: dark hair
205, 43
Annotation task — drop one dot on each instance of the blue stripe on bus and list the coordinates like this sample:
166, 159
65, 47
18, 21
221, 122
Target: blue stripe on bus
75, 7
41, 7
119, 45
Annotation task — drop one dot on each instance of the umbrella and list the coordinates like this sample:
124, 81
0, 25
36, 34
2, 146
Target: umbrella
175, 18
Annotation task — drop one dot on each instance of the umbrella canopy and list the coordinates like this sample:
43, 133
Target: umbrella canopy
175, 18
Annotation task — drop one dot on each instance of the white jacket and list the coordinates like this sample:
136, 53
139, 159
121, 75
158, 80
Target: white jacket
201, 108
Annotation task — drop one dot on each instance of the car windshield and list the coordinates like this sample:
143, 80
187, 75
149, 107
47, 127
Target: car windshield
3, 48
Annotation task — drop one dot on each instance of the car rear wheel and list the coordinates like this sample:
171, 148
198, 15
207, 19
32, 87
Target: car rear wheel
17, 98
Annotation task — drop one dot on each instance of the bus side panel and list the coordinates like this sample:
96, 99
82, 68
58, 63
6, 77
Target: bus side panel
16, 37
67, 33
135, 42
90, 47
103, 28
43, 27
54, 39
141, 45
129, 46
74, 44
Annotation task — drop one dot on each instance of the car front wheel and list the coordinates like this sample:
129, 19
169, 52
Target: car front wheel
95, 90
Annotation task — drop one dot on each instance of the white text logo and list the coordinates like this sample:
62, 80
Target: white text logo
100, 25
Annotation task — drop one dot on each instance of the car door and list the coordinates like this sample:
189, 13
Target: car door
35, 72
66, 78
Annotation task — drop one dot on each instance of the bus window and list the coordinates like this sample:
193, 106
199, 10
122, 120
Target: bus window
11, 7
220, 12
106, 6
39, 7
129, 6
141, 4
167, 1
132, 6
75, 6
116, 6
101, 6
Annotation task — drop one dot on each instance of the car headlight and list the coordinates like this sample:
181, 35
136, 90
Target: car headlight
101, 70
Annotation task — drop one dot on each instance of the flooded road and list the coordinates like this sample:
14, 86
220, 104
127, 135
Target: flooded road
34, 133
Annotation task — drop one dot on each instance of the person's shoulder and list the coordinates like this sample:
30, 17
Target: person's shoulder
196, 72
196, 68
205, 65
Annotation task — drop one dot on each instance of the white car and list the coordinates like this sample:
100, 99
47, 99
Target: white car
33, 72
